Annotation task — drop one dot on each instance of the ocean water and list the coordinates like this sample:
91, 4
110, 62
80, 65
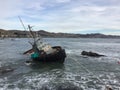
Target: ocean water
76, 73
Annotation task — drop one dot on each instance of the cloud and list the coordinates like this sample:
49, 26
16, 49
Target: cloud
63, 1
8, 8
61, 15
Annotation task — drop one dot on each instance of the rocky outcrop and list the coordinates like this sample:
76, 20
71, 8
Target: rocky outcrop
91, 54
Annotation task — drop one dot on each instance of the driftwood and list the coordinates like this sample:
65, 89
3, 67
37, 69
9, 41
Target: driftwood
92, 54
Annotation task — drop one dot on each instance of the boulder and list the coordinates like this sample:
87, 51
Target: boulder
92, 54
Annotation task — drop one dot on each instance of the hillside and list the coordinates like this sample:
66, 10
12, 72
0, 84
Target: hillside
43, 33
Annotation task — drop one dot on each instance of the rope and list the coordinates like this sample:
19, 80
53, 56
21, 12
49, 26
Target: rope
107, 87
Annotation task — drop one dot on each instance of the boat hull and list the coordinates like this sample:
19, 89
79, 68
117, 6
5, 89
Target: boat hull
58, 56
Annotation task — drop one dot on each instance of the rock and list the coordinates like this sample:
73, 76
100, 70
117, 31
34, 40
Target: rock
29, 63
92, 54
5, 70
108, 88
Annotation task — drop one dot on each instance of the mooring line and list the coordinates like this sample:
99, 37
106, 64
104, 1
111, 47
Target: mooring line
91, 73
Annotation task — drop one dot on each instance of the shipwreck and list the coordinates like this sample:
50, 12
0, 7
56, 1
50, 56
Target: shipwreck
42, 52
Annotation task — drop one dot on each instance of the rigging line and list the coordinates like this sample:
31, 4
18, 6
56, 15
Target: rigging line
29, 27
89, 71
22, 23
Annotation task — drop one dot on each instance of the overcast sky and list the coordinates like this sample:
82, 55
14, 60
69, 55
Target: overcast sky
71, 16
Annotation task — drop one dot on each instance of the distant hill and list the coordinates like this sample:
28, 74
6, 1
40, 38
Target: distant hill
43, 33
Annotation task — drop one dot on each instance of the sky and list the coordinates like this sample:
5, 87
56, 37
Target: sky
67, 16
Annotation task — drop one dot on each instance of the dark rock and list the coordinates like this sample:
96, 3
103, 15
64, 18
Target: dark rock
92, 54
108, 88
5, 70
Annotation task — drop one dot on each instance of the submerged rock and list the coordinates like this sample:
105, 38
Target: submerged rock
108, 88
5, 70
92, 54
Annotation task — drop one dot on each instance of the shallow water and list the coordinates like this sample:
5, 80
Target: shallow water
77, 73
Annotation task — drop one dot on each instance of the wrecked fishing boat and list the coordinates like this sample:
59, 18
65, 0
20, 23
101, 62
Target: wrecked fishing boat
43, 52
